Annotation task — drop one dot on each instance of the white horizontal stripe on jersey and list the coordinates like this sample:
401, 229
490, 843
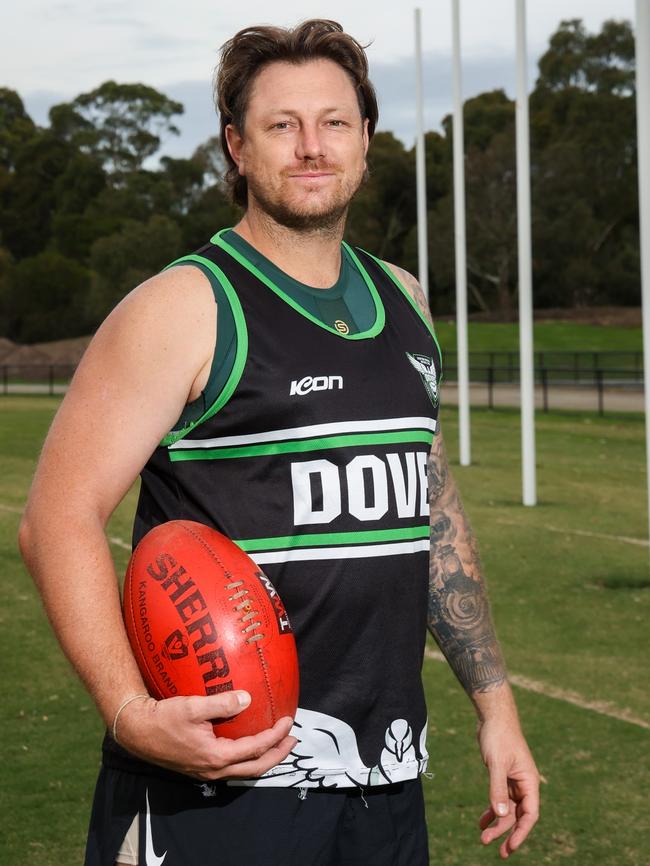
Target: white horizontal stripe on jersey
333, 428
357, 552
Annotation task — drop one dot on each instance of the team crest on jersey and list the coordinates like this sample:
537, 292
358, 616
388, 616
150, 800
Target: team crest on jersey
427, 370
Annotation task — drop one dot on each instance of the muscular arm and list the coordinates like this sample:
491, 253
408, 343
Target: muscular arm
459, 620
146, 361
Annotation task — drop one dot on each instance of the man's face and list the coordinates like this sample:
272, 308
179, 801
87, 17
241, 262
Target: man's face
303, 151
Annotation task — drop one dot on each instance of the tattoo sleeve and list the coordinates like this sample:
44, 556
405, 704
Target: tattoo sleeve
458, 614
458, 610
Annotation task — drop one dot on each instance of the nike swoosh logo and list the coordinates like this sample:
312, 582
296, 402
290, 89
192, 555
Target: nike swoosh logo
151, 858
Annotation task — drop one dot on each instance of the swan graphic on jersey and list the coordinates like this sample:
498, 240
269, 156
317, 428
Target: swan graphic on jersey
427, 370
327, 756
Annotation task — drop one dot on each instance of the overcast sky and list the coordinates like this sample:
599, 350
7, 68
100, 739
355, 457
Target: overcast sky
52, 51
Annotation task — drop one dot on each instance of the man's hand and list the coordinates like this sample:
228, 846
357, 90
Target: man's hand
176, 733
514, 784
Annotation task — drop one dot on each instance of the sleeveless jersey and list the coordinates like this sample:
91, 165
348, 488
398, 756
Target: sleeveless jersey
314, 461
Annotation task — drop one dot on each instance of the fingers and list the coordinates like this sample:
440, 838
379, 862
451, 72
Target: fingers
499, 796
177, 733
523, 812
256, 767
251, 748
527, 815
222, 706
501, 825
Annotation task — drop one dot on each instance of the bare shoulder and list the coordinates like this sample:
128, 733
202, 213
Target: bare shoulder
170, 319
173, 300
141, 368
150, 356
413, 287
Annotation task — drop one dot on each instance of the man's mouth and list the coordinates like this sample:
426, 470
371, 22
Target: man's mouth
311, 174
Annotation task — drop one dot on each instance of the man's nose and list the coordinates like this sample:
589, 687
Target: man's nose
310, 143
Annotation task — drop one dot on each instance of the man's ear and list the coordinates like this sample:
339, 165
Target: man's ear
235, 142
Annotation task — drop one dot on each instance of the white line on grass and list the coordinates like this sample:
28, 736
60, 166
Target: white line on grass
119, 543
604, 708
11, 509
641, 542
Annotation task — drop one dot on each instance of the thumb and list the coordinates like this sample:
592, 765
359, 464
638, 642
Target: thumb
225, 705
499, 798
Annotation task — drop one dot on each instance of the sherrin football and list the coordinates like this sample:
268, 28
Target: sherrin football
202, 618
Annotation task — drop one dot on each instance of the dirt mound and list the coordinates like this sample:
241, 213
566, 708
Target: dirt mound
6, 346
60, 352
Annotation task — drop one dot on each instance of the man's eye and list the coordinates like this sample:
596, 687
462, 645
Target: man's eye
282, 124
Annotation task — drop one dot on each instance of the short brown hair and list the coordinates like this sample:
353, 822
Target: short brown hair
245, 55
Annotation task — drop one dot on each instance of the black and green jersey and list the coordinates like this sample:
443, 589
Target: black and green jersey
347, 303
314, 460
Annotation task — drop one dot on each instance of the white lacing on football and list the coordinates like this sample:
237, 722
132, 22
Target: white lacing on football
246, 606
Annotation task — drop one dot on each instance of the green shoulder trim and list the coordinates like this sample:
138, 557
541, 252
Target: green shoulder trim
405, 291
240, 356
380, 314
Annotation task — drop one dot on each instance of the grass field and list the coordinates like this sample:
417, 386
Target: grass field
547, 337
571, 610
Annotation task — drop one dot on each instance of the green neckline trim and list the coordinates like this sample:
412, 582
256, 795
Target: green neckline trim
330, 538
240, 355
380, 314
390, 273
302, 445
275, 273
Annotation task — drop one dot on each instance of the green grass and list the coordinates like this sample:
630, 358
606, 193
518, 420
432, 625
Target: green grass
571, 611
547, 336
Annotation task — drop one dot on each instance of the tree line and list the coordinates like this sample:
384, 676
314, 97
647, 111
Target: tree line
84, 216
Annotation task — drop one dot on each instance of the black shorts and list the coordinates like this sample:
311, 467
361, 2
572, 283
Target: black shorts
220, 825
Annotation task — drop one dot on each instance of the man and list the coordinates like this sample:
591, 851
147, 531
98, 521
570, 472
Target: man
304, 431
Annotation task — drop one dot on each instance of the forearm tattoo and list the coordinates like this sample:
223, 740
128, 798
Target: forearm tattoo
458, 614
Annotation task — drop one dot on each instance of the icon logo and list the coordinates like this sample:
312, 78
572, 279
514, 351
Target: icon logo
427, 370
315, 383
176, 646
341, 326
151, 858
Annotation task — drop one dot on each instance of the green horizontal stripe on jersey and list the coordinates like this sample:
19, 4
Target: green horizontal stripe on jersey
322, 539
302, 445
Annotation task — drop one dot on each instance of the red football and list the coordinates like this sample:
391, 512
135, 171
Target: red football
202, 618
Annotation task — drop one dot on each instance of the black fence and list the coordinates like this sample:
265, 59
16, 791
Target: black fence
600, 371
571, 368
35, 378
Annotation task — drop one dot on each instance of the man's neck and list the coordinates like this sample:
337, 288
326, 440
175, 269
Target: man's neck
313, 258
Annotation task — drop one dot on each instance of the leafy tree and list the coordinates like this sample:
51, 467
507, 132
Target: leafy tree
209, 156
29, 197
45, 298
73, 227
212, 211
584, 163
384, 209
121, 123
6, 263
16, 127
484, 116
123, 260
601, 62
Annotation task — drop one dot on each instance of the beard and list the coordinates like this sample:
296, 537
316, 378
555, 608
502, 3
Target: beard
306, 218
